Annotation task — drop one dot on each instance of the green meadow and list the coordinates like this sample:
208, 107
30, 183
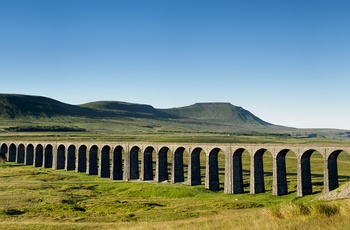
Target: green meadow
37, 198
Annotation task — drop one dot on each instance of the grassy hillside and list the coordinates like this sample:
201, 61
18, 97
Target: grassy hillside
29, 112
218, 112
128, 109
15, 106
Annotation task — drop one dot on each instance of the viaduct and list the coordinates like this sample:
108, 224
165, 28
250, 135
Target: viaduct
120, 161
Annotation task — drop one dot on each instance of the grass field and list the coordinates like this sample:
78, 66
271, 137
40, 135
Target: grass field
37, 198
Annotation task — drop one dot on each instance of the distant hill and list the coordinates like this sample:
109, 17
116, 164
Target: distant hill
115, 115
128, 109
218, 112
14, 105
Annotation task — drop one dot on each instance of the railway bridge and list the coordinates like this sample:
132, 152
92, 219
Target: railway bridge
167, 162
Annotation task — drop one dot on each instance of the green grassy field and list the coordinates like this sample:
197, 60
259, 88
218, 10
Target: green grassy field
37, 198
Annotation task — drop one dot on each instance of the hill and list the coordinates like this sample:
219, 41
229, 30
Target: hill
218, 112
15, 106
20, 111
128, 109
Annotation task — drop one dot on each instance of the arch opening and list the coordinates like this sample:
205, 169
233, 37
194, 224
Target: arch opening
178, 166
336, 163
117, 163
20, 154
61, 157
71, 158
38, 156
3, 151
162, 165
285, 172
48, 157
215, 169
240, 170
12, 153
92, 161
29, 156
311, 172
196, 168
134, 163
147, 164
104, 169
81, 160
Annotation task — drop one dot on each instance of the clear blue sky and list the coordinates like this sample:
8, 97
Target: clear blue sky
286, 61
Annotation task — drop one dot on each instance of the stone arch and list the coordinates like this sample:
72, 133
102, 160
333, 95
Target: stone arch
147, 164
212, 181
81, 163
332, 170
92, 161
162, 173
237, 171
70, 158
280, 185
38, 156
134, 171
304, 173
48, 156
20, 154
117, 163
257, 184
194, 167
104, 160
29, 156
12, 153
3, 151
61, 157
178, 166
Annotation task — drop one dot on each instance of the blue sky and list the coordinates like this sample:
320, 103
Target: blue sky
288, 62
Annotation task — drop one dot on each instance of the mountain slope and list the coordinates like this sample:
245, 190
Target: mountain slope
14, 105
218, 112
128, 109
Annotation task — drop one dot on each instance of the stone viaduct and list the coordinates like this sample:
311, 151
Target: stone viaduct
129, 161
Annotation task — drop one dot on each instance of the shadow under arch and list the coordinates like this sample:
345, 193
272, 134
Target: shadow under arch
92, 161
237, 171
104, 162
162, 171
212, 177
12, 153
178, 171
71, 158
117, 163
61, 157
81, 159
38, 156
29, 155
257, 184
147, 164
332, 170
134, 171
48, 156
3, 151
304, 173
20, 154
280, 173
194, 167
